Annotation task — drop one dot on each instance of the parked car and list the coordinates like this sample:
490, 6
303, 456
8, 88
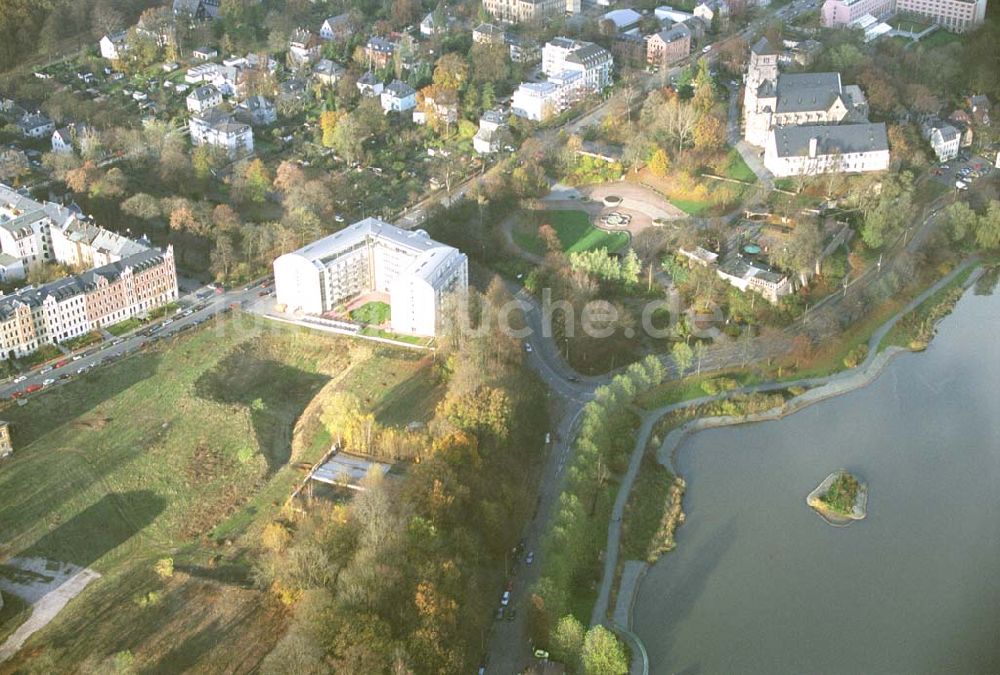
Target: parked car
77, 357
505, 598
20, 378
46, 369
530, 558
32, 388
48, 381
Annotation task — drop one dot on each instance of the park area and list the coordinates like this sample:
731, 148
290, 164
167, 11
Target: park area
573, 228
699, 195
183, 452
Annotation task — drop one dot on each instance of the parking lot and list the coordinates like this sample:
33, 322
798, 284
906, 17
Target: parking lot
966, 169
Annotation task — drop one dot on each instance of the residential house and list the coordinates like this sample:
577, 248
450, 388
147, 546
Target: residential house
525, 11
64, 139
202, 98
753, 276
217, 128
944, 139
303, 48
488, 33
327, 72
709, 10
979, 105
441, 108
293, 90
429, 27
113, 46
398, 96
369, 85
628, 49
378, 52
815, 149
336, 28
204, 53
488, 139
257, 111
523, 50
204, 72
959, 120
199, 10
668, 46
35, 125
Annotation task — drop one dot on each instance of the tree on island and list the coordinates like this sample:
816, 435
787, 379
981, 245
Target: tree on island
842, 494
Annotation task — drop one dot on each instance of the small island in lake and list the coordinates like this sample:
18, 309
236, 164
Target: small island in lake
840, 499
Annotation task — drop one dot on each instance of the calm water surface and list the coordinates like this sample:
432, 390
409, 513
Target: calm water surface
758, 583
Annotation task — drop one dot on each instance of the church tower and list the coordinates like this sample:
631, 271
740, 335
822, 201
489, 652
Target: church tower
760, 93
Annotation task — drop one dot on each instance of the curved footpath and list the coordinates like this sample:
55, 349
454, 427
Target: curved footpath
819, 389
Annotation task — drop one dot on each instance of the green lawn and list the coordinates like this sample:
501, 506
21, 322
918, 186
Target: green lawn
399, 386
692, 207
371, 313
939, 38
184, 450
574, 230
123, 327
737, 169
645, 508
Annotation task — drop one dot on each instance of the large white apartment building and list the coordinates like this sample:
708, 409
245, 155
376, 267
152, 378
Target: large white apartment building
373, 256
824, 148
574, 68
954, 15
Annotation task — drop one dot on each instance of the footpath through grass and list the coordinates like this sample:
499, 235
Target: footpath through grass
573, 228
182, 451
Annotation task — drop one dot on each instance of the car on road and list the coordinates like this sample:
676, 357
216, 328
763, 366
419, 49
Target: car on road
505, 598
32, 388
572, 378
168, 322
117, 342
48, 381
541, 654
530, 558
499, 612
16, 395
46, 369
77, 357
81, 370
20, 378
62, 363
528, 348
706, 49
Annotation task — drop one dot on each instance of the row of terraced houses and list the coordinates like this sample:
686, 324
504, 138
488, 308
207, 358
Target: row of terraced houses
126, 278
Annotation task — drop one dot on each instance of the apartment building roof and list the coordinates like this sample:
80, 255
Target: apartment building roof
589, 55
794, 141
72, 286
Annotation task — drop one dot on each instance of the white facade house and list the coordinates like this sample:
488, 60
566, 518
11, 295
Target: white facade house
112, 46
487, 138
574, 68
217, 128
536, 101
373, 256
945, 140
202, 98
35, 125
336, 27
62, 140
748, 276
815, 149
398, 97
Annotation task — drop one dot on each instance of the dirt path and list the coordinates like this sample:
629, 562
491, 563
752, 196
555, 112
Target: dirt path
47, 585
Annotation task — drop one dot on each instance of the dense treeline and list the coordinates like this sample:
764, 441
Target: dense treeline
405, 577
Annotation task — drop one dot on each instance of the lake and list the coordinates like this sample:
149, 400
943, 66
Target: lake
759, 583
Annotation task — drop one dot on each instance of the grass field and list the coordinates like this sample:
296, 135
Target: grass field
372, 313
939, 38
183, 451
737, 169
574, 230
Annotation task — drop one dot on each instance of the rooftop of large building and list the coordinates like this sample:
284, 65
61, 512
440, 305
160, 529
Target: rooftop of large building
794, 141
804, 92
